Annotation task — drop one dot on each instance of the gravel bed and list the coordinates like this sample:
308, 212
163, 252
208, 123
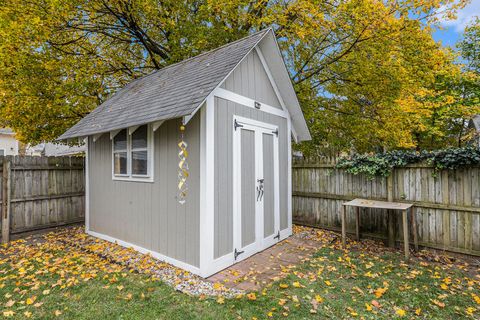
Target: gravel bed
179, 279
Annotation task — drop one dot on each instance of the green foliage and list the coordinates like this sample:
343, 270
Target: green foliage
381, 164
350, 61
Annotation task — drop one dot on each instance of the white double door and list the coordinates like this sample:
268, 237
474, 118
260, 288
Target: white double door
256, 206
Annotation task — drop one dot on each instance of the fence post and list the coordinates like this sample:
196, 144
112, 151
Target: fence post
6, 200
390, 213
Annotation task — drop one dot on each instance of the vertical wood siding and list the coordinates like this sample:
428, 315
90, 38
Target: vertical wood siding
225, 110
148, 214
447, 205
45, 192
249, 79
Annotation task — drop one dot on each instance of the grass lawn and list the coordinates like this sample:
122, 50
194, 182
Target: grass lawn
53, 280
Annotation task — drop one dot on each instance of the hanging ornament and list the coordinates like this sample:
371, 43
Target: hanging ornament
182, 168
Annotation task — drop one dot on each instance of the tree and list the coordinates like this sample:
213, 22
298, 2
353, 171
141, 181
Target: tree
350, 61
453, 99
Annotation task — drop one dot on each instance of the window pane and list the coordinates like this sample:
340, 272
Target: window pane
120, 163
120, 140
139, 137
2, 152
139, 162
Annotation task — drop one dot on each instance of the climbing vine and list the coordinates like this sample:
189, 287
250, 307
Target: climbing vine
381, 164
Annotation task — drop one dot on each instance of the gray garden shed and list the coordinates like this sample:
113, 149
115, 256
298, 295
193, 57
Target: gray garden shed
240, 113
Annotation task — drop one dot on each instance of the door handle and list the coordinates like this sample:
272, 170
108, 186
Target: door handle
260, 189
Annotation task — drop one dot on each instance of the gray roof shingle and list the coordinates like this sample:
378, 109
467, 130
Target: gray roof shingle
174, 91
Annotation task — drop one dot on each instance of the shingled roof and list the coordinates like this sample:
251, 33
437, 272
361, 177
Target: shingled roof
174, 91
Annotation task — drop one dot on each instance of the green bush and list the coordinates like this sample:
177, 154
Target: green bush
381, 164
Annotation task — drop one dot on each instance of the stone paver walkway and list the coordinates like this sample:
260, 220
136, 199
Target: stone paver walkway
269, 265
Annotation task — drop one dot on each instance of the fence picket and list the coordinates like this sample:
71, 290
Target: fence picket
448, 203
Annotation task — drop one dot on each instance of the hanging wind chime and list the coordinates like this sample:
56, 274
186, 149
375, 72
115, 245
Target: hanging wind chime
182, 168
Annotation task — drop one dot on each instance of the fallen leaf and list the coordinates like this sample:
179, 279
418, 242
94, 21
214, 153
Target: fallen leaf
400, 312
252, 296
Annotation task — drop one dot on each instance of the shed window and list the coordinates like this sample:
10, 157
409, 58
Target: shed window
132, 154
140, 151
120, 153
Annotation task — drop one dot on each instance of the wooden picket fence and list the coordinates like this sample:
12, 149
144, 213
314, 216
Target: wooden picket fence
447, 203
40, 192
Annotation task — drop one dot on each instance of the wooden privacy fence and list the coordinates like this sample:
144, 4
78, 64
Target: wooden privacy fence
40, 192
447, 204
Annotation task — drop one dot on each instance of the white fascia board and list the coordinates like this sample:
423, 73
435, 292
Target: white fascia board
187, 118
270, 78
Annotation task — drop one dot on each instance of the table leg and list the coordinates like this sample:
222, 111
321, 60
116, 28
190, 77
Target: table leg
414, 227
357, 227
344, 227
405, 234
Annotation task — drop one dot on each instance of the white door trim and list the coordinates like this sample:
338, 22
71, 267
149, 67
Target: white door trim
261, 243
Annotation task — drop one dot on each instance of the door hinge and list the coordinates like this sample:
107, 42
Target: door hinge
275, 132
236, 124
237, 253
277, 236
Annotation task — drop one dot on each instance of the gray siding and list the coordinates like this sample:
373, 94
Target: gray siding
249, 79
148, 214
223, 169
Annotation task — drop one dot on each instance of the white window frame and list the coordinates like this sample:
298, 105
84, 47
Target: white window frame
129, 176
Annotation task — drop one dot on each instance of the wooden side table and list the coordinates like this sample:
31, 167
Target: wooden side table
398, 206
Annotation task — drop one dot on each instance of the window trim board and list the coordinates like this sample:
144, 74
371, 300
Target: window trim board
129, 176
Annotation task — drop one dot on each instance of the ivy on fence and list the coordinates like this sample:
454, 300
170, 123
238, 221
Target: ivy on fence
381, 164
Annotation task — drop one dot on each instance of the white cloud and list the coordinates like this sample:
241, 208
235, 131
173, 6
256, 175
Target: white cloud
464, 17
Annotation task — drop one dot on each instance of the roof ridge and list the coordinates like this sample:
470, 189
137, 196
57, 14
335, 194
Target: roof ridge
210, 51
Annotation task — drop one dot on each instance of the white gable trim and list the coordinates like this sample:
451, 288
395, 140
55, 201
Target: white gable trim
235, 97
187, 118
293, 131
275, 88
269, 75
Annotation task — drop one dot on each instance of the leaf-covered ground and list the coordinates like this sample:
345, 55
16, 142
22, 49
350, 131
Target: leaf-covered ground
48, 277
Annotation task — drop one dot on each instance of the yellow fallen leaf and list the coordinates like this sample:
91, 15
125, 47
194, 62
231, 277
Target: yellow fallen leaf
57, 313
297, 284
368, 307
470, 311
400, 312
220, 300
318, 298
8, 313
45, 292
380, 291
328, 283
31, 300
282, 302
27, 314
270, 314
119, 288
418, 311
444, 286
252, 296
283, 285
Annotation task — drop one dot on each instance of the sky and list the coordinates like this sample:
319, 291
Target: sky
452, 30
